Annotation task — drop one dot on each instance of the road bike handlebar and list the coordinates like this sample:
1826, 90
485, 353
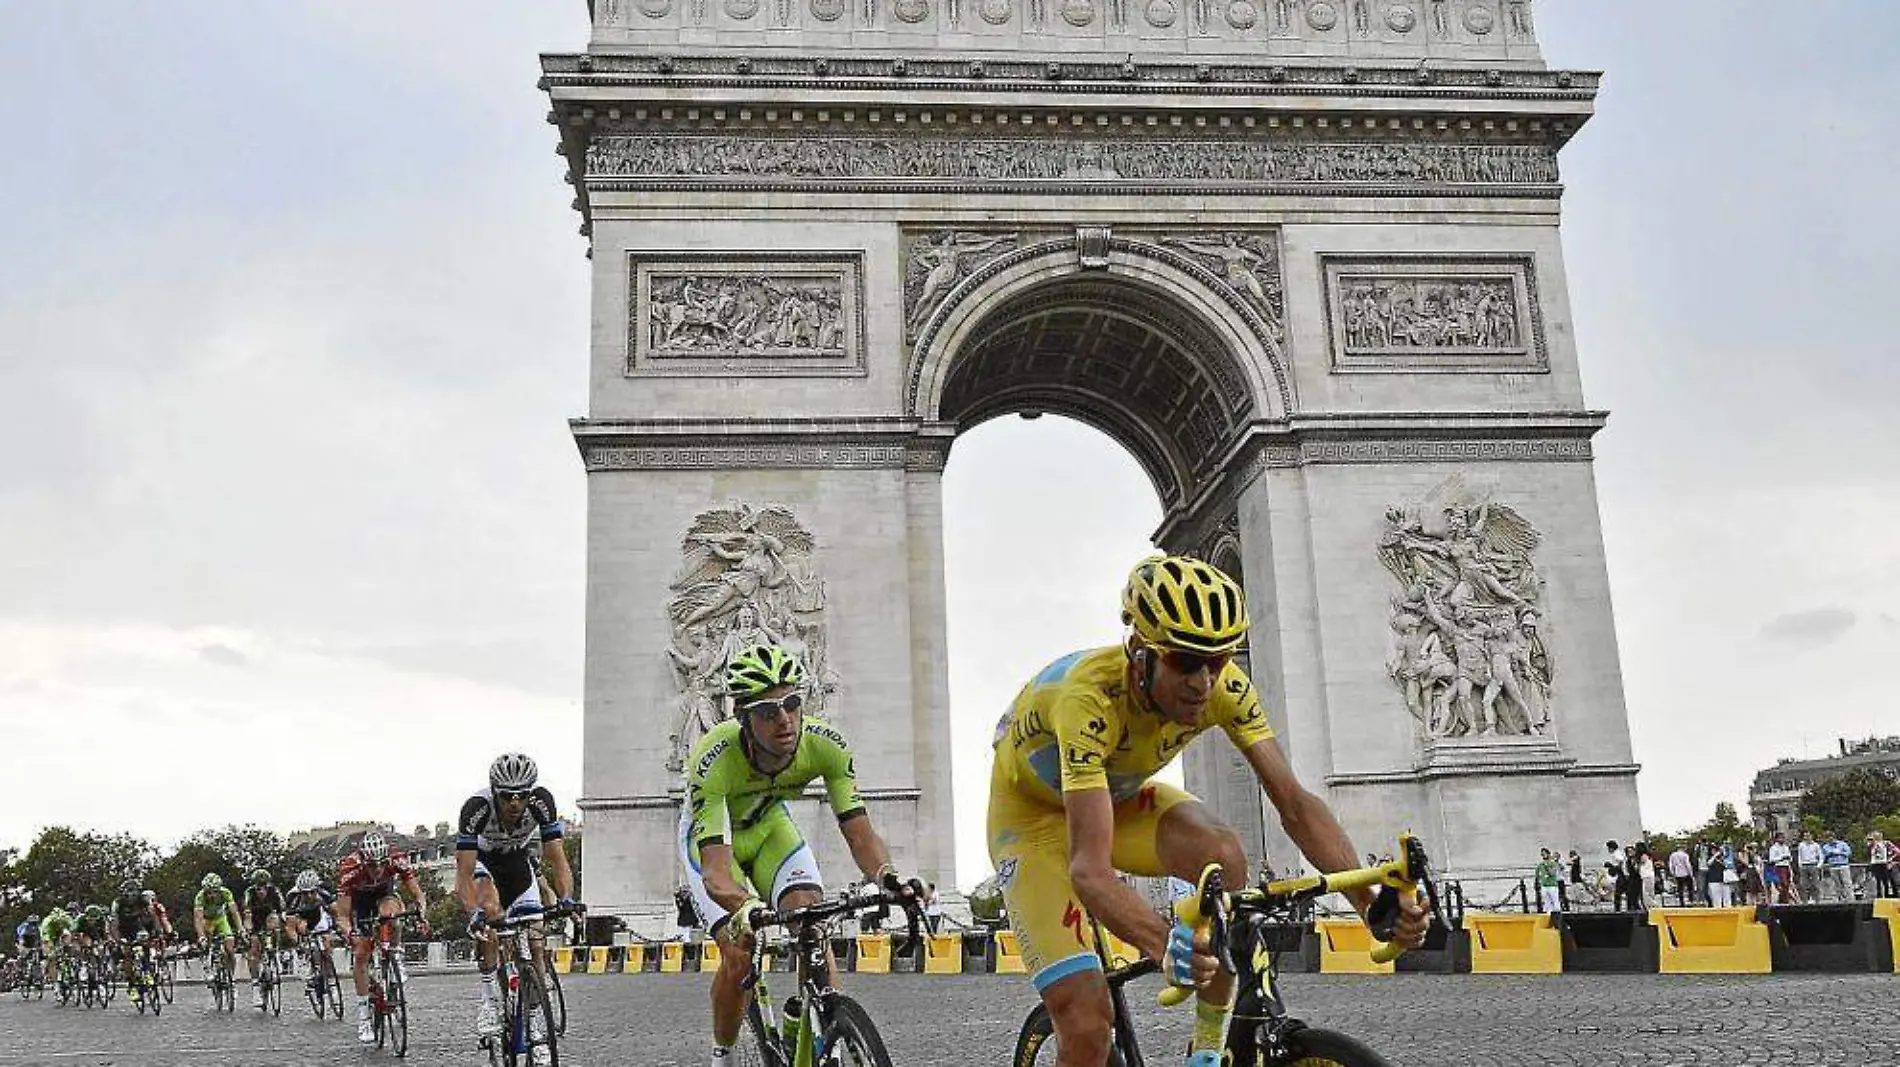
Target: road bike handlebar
892, 892
1209, 909
520, 917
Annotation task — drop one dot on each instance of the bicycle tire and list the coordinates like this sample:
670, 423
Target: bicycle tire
336, 987
501, 1046
1315, 1047
766, 1048
168, 980
396, 1000
1036, 1044
560, 1000
852, 1038
316, 988
534, 1001
274, 993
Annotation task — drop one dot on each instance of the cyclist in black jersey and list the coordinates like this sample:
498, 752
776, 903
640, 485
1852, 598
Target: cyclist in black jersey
493, 871
263, 911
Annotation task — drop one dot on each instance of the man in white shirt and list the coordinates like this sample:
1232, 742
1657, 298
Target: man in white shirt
1682, 873
1881, 854
1781, 858
1807, 855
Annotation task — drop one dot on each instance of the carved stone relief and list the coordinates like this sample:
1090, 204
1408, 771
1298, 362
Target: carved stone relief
1106, 160
691, 313
937, 261
747, 579
1473, 314
1250, 265
1468, 653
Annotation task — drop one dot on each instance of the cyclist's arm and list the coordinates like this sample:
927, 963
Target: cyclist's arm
868, 849
465, 879
414, 885
1305, 817
1091, 820
559, 875
834, 762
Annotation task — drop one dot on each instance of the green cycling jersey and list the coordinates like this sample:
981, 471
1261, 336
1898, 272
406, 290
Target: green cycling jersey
213, 902
727, 795
55, 926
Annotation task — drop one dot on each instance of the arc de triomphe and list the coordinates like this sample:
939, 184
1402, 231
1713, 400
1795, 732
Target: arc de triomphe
1300, 257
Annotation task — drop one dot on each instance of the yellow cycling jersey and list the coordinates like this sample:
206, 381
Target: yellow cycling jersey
1076, 725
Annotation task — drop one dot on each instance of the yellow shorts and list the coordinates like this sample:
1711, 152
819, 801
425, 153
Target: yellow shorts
1029, 844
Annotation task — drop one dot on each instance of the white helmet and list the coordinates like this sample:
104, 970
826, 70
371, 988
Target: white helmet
375, 846
513, 772
306, 882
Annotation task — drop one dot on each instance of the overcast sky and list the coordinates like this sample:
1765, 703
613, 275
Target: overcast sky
292, 312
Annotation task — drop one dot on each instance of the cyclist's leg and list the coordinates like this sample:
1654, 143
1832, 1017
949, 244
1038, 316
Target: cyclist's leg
786, 869
363, 911
487, 948
1030, 847
1164, 830
728, 992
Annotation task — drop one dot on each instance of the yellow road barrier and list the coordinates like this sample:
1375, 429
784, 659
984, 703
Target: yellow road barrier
564, 960
1345, 947
709, 956
635, 960
1009, 953
1514, 944
1711, 941
874, 954
597, 960
1889, 909
944, 954
672, 957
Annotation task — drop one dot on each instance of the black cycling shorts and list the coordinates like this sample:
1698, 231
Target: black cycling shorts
512, 872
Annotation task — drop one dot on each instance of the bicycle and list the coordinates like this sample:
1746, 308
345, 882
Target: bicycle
144, 988
1247, 931
820, 1026
167, 968
529, 1033
102, 980
68, 980
323, 989
268, 980
33, 975
388, 997
218, 976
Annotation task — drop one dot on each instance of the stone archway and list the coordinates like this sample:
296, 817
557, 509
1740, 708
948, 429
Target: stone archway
1306, 269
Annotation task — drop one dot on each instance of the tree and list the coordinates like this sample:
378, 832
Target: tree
571, 844
1850, 800
243, 849
447, 917
64, 865
176, 878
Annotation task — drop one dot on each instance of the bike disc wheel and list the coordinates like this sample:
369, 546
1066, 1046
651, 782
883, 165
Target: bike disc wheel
537, 1020
1327, 1048
851, 1038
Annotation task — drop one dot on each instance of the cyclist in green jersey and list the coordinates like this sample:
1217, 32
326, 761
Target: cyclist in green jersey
215, 912
90, 926
55, 933
737, 836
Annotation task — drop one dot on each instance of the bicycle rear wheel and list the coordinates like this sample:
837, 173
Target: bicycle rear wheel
851, 1038
1313, 1047
273, 992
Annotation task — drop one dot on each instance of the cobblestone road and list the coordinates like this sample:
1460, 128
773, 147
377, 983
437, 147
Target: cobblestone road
1418, 1020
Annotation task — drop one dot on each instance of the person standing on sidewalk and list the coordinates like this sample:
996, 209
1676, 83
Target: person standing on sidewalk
1881, 856
1548, 875
1682, 873
1781, 861
1836, 859
1807, 856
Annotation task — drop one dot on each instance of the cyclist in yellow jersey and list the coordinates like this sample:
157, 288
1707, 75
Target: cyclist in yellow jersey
1072, 801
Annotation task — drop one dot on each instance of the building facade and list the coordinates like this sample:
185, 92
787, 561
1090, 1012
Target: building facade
1774, 798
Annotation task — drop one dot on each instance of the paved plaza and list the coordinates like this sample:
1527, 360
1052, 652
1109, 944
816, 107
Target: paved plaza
1417, 1020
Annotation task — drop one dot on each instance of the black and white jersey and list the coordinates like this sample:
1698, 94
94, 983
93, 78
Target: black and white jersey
481, 829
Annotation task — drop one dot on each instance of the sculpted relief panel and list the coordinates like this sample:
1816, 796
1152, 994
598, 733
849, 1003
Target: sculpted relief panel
765, 313
747, 579
1468, 653
1473, 313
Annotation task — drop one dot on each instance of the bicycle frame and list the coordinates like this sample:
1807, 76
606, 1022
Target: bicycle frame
812, 966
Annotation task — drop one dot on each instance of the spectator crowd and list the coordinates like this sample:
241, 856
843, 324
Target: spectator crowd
1811, 870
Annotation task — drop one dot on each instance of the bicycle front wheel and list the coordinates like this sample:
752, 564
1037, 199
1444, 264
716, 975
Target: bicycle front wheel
759, 1046
559, 998
395, 999
537, 1020
1327, 1048
851, 1038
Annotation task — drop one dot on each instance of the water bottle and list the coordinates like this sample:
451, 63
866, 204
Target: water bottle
788, 1025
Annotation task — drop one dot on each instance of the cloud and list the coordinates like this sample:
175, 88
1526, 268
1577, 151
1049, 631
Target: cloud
223, 655
1810, 629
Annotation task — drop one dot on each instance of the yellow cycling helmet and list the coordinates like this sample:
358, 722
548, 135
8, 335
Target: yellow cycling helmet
1187, 604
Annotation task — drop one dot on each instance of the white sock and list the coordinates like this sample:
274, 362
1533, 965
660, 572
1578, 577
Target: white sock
489, 990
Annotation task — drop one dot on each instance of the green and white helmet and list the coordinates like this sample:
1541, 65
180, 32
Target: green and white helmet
761, 667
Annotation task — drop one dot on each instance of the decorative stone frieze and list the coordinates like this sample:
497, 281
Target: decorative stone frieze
1475, 314
1115, 164
760, 313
